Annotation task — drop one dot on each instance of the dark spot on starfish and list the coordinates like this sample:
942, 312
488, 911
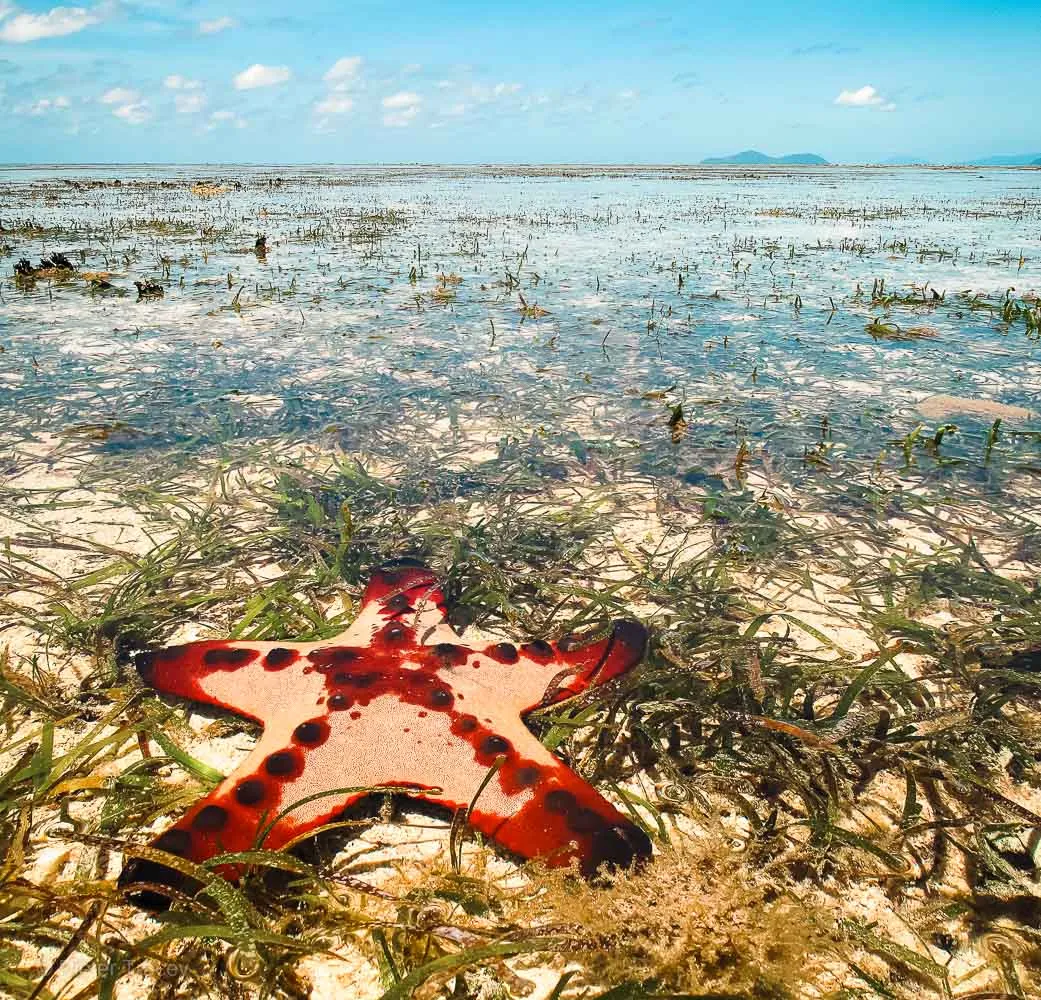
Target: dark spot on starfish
526, 776
394, 633
560, 801
210, 819
249, 792
280, 764
584, 821
494, 745
340, 701
330, 658
349, 677
506, 652
539, 649
441, 698
399, 602
467, 724
228, 657
311, 734
355, 715
279, 657
175, 842
450, 652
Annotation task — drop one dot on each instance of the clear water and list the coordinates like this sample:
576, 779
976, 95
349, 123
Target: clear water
763, 341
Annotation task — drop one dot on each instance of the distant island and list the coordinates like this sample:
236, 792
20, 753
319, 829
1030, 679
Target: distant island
752, 157
1019, 160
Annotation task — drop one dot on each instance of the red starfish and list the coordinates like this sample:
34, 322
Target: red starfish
395, 700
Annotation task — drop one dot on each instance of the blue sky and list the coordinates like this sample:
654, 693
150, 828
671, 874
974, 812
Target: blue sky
538, 81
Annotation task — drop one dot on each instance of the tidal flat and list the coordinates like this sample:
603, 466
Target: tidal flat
789, 418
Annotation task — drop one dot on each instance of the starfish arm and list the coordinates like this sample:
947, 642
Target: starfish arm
405, 592
563, 819
248, 678
543, 673
253, 808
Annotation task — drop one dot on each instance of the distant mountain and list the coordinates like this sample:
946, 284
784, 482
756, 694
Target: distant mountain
752, 157
1020, 160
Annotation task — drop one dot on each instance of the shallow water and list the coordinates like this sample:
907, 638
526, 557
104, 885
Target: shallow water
847, 650
742, 295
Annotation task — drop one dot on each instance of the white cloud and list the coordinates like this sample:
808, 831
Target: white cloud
189, 104
334, 104
404, 99
444, 84
343, 73
455, 111
44, 105
628, 95
216, 25
259, 75
410, 68
136, 113
225, 117
865, 97
177, 82
485, 95
119, 95
401, 109
53, 24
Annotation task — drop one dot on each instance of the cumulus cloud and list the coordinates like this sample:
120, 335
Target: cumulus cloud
219, 118
189, 104
405, 99
216, 25
865, 97
177, 82
343, 72
259, 75
44, 106
135, 113
52, 24
501, 89
334, 104
401, 108
119, 95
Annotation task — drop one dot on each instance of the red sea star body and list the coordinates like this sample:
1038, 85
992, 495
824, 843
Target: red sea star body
396, 700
